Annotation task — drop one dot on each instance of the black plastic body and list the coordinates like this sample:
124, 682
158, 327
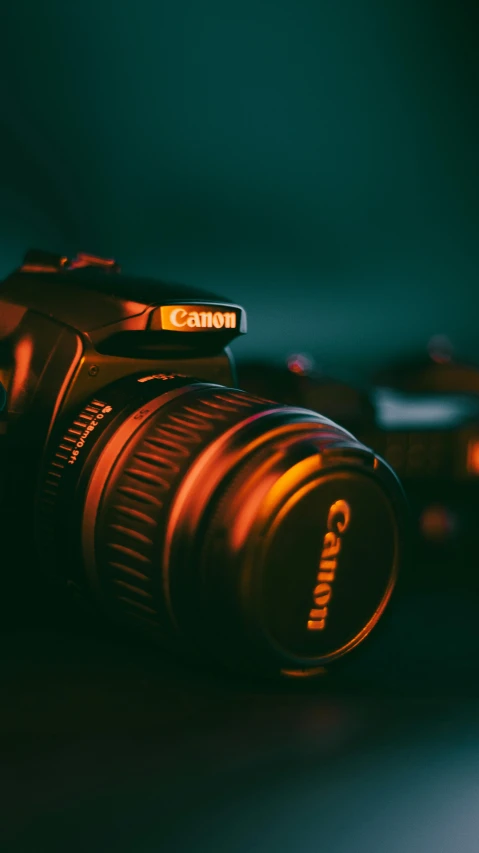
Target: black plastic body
64, 335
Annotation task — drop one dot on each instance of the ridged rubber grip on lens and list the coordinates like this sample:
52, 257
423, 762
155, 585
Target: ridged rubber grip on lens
140, 489
52, 507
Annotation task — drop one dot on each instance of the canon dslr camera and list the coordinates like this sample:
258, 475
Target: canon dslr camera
427, 428
230, 528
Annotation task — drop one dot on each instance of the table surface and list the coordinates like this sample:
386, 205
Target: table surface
107, 744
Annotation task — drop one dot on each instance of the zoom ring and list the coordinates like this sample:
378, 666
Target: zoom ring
140, 490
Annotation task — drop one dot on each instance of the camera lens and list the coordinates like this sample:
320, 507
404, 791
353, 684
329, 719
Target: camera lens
239, 530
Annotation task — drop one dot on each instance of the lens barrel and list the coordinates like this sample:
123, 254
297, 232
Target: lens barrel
235, 529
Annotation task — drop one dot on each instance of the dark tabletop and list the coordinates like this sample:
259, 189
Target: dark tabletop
108, 745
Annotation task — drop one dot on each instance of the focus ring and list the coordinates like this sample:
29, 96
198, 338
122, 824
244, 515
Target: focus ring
140, 488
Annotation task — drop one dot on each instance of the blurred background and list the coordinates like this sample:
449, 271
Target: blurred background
314, 160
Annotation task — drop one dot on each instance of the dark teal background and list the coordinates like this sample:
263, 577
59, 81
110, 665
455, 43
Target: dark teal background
316, 161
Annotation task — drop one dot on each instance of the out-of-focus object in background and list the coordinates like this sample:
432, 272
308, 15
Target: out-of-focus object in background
299, 382
427, 427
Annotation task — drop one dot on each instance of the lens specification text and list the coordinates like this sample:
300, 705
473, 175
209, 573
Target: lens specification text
89, 427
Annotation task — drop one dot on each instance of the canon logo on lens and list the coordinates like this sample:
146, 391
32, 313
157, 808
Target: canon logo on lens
338, 520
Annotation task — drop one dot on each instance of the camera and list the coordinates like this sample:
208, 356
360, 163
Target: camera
232, 529
427, 427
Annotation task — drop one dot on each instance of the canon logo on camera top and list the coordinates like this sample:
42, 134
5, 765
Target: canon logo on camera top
189, 318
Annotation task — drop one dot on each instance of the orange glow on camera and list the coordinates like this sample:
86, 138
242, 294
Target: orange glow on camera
23, 354
473, 456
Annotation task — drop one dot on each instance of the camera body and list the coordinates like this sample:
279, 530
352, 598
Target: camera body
69, 328
135, 472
